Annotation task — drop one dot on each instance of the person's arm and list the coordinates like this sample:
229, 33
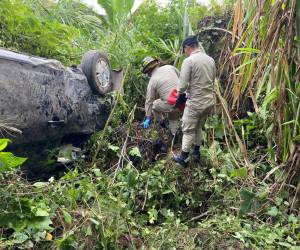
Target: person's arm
150, 97
185, 76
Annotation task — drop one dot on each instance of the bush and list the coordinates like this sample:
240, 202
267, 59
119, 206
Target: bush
22, 30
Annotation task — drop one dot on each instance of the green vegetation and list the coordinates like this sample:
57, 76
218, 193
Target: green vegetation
7, 160
245, 194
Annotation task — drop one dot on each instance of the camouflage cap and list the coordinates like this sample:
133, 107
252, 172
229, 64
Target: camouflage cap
147, 62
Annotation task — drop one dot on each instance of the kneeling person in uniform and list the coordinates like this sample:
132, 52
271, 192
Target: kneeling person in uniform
162, 84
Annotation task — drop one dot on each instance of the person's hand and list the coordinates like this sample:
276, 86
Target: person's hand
181, 99
146, 123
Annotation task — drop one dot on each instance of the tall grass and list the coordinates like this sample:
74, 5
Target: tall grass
261, 63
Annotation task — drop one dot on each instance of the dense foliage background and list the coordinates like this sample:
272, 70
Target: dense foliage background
246, 193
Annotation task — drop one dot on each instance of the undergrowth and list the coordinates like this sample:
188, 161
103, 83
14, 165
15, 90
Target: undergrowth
127, 193
127, 201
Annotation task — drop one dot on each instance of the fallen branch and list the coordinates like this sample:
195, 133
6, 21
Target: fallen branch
8, 129
198, 217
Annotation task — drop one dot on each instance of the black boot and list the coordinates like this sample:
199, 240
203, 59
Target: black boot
196, 154
182, 159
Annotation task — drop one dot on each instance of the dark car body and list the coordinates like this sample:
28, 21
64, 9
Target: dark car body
44, 99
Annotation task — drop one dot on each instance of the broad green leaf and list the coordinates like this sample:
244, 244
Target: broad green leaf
113, 147
40, 184
219, 133
40, 235
8, 161
135, 152
28, 244
3, 143
67, 217
116, 11
97, 172
292, 218
40, 223
278, 201
247, 201
19, 238
41, 212
239, 173
273, 211
239, 236
153, 215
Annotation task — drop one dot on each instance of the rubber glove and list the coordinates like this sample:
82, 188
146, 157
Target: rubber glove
146, 123
181, 99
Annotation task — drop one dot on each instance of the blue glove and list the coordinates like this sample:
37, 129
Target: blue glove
146, 123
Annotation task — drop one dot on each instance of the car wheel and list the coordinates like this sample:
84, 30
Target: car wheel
96, 68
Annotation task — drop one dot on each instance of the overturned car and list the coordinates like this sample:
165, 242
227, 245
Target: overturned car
43, 99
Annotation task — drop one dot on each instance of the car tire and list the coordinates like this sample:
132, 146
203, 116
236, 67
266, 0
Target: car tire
97, 70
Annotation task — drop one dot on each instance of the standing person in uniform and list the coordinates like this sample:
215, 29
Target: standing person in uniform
163, 80
197, 77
